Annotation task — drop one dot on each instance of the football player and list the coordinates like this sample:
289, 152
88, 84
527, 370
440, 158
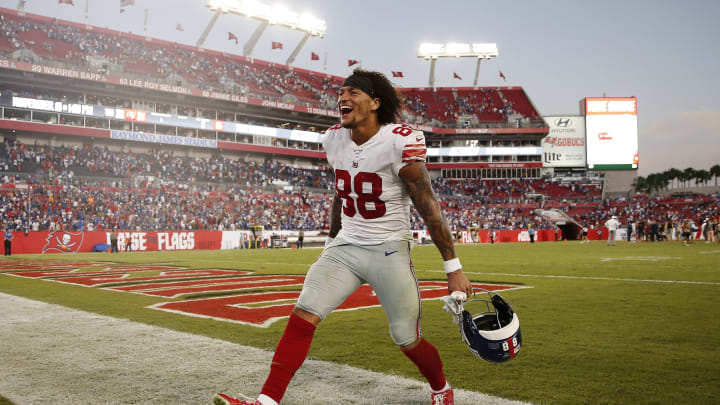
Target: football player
379, 169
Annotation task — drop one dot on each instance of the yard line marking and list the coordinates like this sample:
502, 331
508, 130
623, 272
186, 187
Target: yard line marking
589, 278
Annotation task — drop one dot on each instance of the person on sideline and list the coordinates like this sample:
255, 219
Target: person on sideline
612, 225
531, 232
301, 238
113, 241
8, 241
379, 169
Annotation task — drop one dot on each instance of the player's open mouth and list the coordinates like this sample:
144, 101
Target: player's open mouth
345, 110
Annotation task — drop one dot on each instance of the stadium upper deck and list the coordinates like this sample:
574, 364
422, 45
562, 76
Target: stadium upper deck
37, 39
154, 76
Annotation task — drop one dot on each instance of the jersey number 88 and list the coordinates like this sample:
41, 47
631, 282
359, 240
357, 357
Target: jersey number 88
348, 185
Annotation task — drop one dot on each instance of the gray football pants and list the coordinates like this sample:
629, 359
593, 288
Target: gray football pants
387, 268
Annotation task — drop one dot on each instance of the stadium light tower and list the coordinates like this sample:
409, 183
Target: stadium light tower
456, 50
267, 15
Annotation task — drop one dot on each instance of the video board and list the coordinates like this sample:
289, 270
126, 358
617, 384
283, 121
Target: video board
612, 136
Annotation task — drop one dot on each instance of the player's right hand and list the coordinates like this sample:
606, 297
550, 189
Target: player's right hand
457, 281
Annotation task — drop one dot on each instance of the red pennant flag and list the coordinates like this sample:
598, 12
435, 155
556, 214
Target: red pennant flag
232, 36
314, 56
70, 2
397, 74
277, 45
455, 76
125, 3
502, 75
180, 27
352, 62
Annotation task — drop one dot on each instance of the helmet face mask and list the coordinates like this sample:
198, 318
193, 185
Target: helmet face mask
493, 334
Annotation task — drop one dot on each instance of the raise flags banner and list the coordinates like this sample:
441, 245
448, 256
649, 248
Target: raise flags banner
314, 56
70, 2
232, 37
397, 74
353, 62
456, 76
277, 45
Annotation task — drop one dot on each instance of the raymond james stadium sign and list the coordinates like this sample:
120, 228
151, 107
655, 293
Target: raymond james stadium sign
166, 139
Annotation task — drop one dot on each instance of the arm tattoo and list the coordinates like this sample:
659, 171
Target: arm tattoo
335, 217
423, 197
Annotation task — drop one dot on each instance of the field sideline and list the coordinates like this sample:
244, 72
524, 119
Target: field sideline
632, 324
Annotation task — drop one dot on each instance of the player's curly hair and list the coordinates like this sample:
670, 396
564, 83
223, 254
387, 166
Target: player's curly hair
390, 101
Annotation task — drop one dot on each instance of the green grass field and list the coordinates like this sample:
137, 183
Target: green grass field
630, 324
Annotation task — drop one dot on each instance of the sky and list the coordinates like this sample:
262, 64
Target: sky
666, 53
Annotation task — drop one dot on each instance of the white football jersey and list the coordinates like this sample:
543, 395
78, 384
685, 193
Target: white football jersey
376, 204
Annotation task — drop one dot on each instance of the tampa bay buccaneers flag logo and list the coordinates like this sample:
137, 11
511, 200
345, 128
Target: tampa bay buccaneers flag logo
63, 242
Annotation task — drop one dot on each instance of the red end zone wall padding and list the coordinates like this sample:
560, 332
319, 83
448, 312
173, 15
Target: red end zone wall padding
74, 241
542, 235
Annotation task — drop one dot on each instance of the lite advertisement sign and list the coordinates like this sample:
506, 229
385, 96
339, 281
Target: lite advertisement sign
612, 137
564, 145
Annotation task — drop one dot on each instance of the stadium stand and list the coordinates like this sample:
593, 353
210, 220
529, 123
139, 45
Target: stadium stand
43, 40
63, 177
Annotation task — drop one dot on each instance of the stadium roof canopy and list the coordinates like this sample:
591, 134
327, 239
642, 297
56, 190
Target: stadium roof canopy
267, 15
456, 50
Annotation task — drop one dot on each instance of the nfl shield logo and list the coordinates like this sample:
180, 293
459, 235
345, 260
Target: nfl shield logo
355, 165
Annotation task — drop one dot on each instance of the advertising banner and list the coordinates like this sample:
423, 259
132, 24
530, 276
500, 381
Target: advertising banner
564, 146
99, 241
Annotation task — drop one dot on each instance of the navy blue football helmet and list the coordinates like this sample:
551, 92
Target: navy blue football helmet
494, 334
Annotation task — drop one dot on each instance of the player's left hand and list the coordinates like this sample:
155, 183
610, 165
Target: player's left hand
457, 281
453, 305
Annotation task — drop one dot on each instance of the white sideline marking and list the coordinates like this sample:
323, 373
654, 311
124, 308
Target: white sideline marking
589, 278
638, 258
709, 252
57, 355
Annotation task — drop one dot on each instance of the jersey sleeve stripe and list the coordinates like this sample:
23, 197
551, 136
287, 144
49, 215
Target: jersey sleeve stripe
413, 154
415, 145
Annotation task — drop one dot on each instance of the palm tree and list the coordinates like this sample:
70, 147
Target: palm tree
640, 184
715, 171
688, 174
656, 182
702, 176
675, 174
667, 177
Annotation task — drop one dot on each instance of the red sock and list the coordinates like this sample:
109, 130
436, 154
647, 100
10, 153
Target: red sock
427, 359
289, 356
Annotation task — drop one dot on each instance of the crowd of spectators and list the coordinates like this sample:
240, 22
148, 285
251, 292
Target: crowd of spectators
77, 47
70, 207
93, 188
649, 217
153, 167
59, 164
74, 208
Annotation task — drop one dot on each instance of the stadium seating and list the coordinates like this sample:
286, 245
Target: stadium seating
98, 188
73, 45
